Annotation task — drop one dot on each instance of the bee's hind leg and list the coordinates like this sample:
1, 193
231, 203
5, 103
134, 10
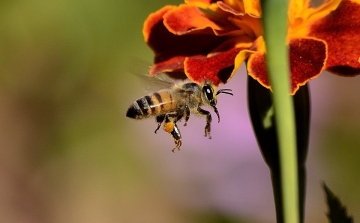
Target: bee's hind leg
171, 127
159, 120
175, 133
208, 121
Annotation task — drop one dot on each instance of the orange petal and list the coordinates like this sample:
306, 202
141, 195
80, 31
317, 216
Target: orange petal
231, 9
217, 68
302, 16
187, 18
200, 3
341, 31
249, 7
253, 8
307, 58
297, 8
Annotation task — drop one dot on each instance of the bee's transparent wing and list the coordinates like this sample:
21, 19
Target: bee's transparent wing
152, 83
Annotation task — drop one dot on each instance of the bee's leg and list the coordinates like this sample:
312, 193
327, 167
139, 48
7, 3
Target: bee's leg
208, 121
187, 114
179, 116
159, 120
177, 138
171, 127
175, 116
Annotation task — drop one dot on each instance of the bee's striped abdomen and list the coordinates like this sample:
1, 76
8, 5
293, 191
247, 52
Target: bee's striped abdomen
150, 105
166, 101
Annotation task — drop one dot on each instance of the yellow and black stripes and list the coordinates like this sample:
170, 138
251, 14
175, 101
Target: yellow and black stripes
152, 105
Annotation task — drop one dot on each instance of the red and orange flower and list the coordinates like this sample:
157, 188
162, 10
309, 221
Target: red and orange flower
210, 39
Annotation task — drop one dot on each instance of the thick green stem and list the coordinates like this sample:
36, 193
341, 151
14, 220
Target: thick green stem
277, 59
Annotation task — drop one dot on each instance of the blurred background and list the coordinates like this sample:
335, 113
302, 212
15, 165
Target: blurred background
69, 154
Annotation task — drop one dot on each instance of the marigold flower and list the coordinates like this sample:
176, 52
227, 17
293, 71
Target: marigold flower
211, 39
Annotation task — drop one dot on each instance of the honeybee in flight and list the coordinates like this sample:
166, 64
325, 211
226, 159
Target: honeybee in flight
178, 101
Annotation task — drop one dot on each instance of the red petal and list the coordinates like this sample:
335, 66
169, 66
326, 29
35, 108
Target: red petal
170, 49
341, 31
173, 64
217, 68
153, 19
256, 68
307, 57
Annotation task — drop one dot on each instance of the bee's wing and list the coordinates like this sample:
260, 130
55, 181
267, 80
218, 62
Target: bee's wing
151, 83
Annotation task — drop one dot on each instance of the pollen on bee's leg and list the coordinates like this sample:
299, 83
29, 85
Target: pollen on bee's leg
169, 127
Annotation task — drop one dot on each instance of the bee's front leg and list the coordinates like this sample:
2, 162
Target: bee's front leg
159, 120
187, 114
208, 121
171, 127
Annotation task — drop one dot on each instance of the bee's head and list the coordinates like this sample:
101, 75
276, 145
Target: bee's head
210, 95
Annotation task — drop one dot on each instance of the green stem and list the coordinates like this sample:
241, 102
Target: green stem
277, 59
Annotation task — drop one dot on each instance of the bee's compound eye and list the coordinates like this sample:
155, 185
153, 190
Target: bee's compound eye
208, 92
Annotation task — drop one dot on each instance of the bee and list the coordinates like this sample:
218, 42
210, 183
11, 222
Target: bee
172, 104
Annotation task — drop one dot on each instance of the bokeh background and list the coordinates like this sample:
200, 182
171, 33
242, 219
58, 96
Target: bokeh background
69, 154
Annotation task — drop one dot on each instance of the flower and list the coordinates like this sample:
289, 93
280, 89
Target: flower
210, 39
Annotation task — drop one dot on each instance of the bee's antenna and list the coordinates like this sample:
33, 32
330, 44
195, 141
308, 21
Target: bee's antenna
224, 91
